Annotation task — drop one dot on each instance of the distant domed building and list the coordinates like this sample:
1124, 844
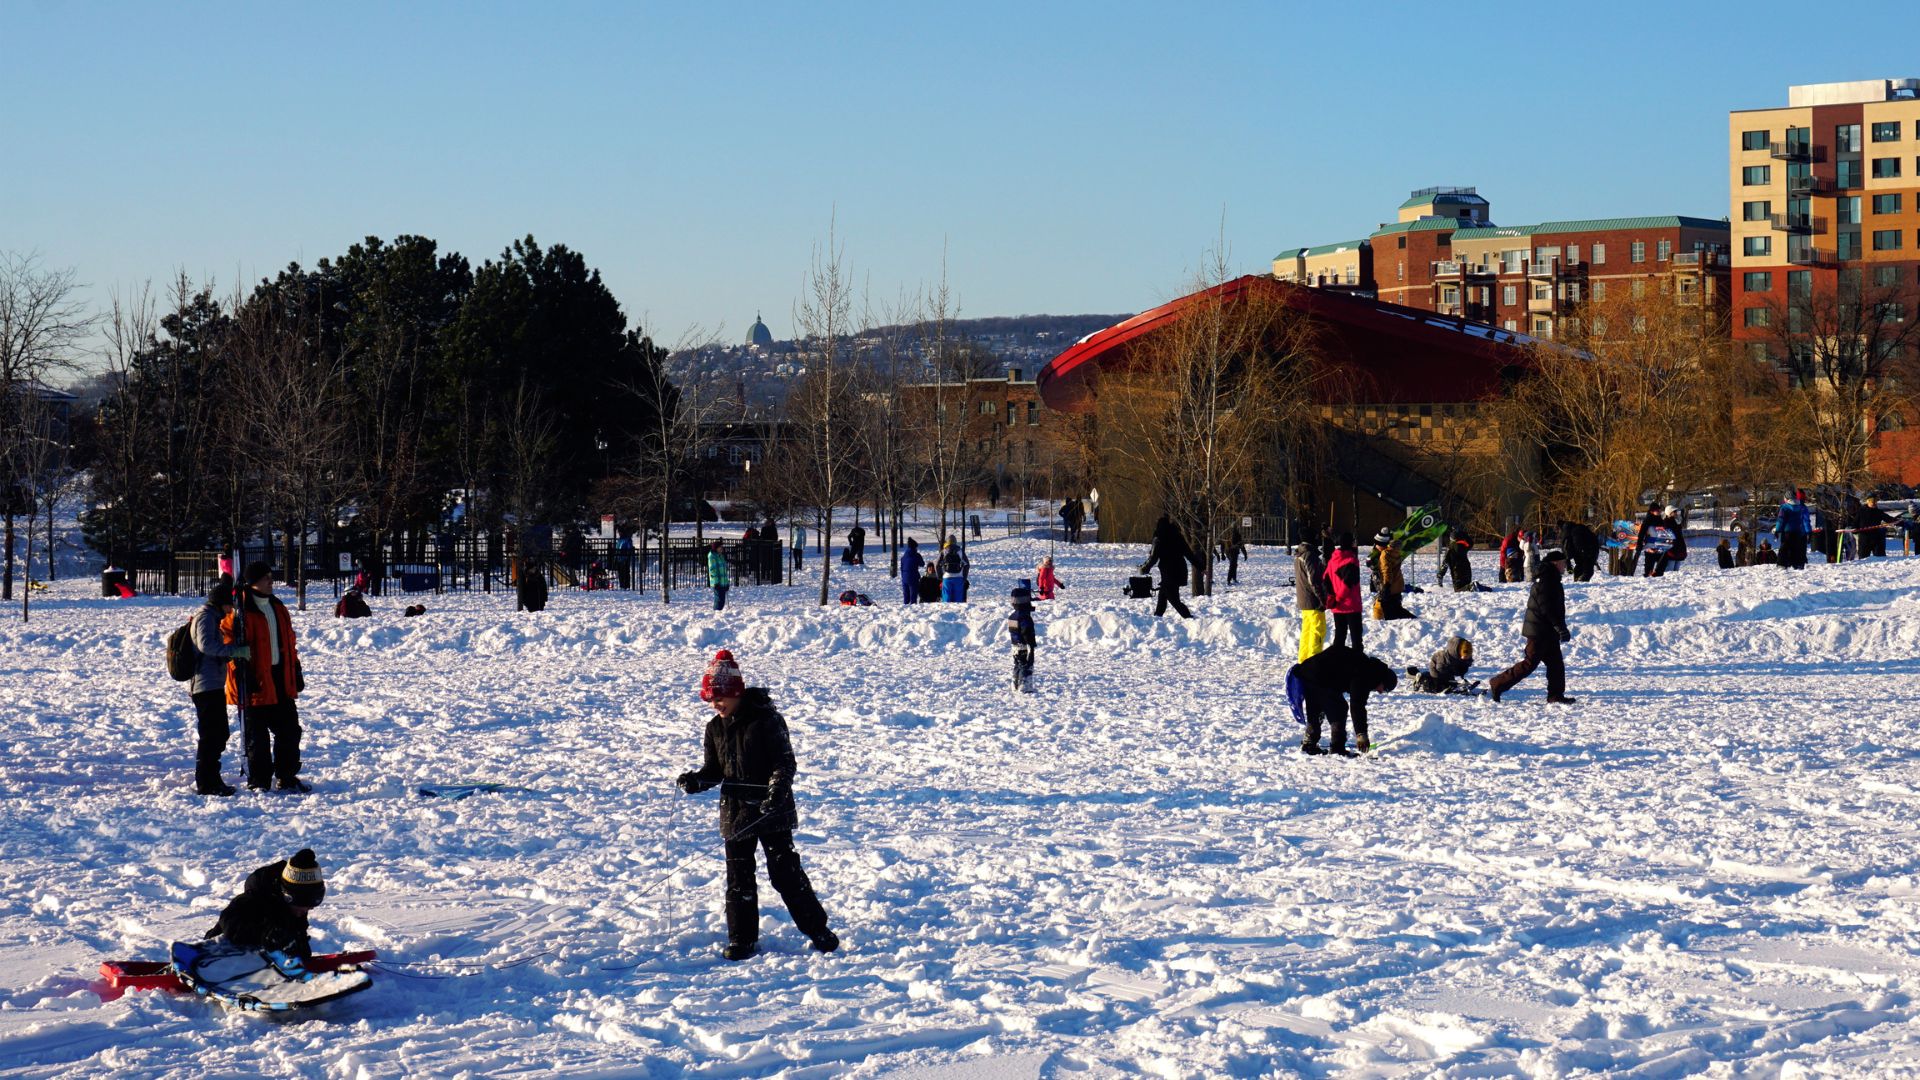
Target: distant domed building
758, 334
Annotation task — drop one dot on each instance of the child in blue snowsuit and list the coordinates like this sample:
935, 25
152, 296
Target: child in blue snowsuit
1020, 629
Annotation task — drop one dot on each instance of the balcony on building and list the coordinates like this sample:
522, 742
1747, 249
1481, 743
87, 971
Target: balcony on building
1809, 256
1796, 151
1799, 223
1551, 269
1808, 185
1460, 268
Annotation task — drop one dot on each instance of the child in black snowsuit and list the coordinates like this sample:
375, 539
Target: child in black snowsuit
750, 757
1445, 669
1319, 689
1020, 630
270, 914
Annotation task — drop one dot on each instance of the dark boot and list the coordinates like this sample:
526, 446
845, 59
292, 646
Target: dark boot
825, 941
740, 951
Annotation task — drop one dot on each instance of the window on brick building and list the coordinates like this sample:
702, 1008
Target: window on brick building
1759, 353
1886, 168
1033, 413
1886, 277
1799, 284
1846, 174
1664, 251
1599, 254
1846, 210
1573, 254
1510, 324
1509, 295
1846, 138
1886, 239
986, 408
1756, 175
1599, 327
1753, 140
1756, 245
1599, 291
1756, 210
1757, 281
1846, 245
1639, 288
1886, 204
1757, 316
1888, 131
1639, 251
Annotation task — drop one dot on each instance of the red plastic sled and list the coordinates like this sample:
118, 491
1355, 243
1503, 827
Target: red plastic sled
124, 975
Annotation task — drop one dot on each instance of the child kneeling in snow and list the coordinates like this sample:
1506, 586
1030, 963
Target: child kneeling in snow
1445, 669
751, 758
270, 914
1025, 640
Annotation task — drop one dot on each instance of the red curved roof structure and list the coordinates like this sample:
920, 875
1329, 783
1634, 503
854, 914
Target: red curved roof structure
1406, 355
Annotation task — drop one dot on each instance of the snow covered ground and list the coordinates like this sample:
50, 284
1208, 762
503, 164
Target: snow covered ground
1708, 866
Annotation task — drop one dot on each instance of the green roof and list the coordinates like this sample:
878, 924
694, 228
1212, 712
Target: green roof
1323, 249
1670, 221
1425, 224
1430, 200
1494, 232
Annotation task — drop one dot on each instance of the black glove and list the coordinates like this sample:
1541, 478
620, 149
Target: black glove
690, 782
1565, 635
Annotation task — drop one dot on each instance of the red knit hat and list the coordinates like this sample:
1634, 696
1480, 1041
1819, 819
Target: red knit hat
723, 678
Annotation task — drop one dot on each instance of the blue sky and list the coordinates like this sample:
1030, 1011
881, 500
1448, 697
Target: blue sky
1067, 157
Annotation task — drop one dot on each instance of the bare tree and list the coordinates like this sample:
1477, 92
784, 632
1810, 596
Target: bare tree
1637, 396
36, 457
820, 408
1209, 395
1847, 348
42, 322
295, 417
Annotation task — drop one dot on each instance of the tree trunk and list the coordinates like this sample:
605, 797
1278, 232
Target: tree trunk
6, 574
826, 558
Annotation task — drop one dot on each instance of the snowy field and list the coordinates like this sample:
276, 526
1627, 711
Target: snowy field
1707, 867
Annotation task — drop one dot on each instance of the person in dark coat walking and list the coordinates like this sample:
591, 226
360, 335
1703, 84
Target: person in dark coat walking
1236, 550
1320, 688
857, 544
910, 565
1545, 628
1023, 635
270, 914
1171, 552
750, 758
208, 688
1582, 546
1724, 552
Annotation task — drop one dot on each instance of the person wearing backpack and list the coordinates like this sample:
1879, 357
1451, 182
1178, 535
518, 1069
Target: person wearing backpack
208, 688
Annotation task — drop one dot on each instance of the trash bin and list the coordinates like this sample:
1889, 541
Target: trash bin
111, 581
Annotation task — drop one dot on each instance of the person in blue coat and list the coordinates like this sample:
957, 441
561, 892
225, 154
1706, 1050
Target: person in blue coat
910, 565
1793, 526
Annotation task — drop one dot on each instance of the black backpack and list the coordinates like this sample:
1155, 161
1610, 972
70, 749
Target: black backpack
183, 660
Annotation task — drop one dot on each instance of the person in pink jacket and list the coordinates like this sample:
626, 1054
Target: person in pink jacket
1343, 590
1046, 579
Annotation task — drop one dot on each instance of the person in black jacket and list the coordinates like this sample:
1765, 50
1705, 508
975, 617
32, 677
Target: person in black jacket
1582, 546
270, 914
1545, 628
1459, 568
1170, 550
1319, 688
750, 757
531, 591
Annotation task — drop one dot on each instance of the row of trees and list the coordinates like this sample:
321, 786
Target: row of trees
365, 395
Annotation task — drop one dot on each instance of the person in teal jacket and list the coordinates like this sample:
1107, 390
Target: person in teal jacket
718, 575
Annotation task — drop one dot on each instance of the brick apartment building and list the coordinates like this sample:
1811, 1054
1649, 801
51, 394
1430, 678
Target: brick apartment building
1826, 197
1444, 254
1005, 435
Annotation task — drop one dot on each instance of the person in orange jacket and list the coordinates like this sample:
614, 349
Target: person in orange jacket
272, 724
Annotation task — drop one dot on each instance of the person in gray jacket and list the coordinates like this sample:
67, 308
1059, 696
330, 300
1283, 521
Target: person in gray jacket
1308, 571
209, 688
